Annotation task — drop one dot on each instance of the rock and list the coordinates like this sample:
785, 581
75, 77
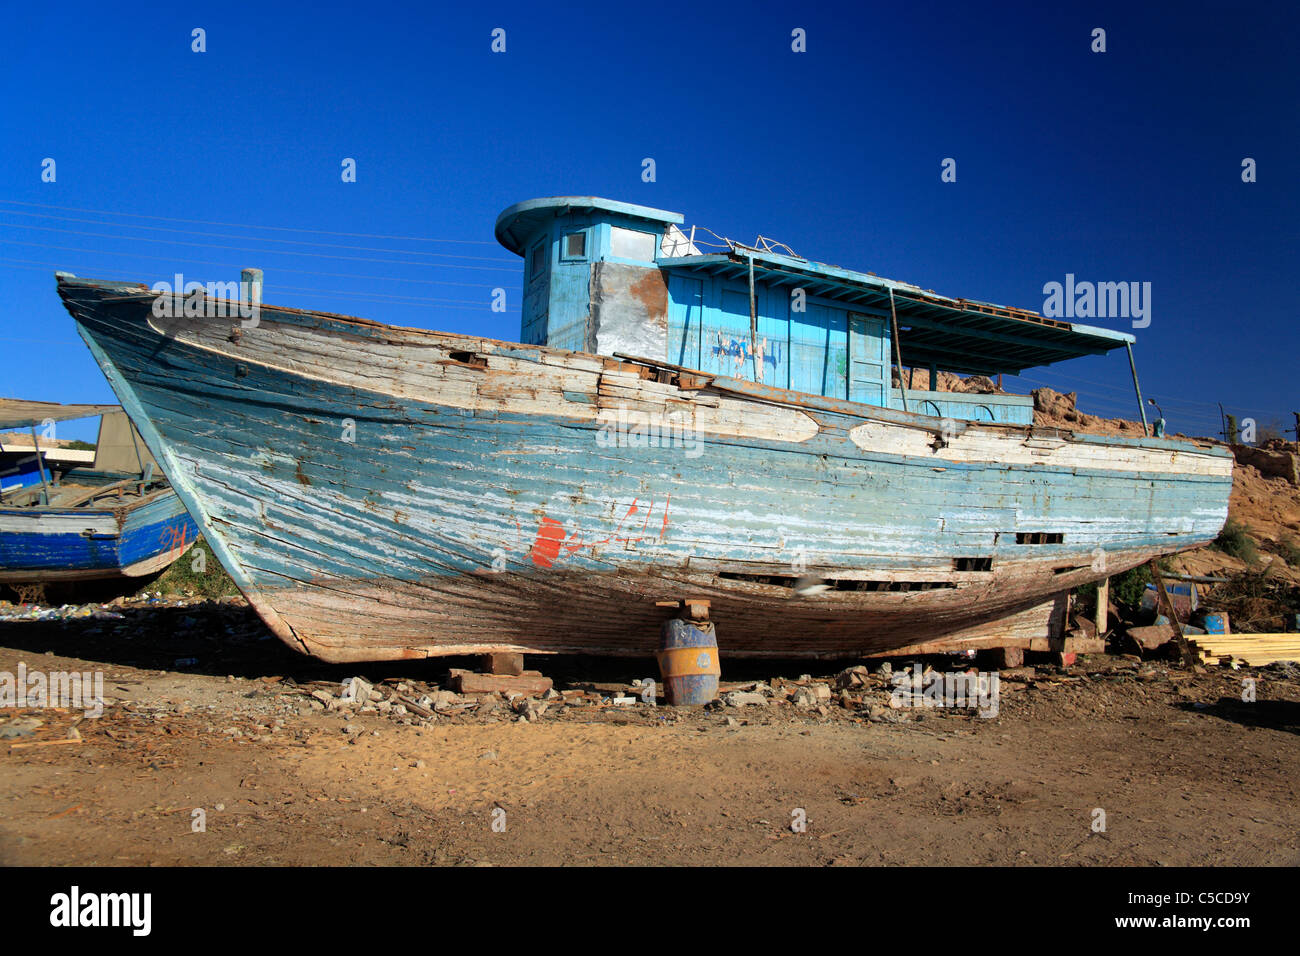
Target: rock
19, 727
356, 690
851, 677
821, 691
741, 698
804, 698
441, 699
530, 708
885, 670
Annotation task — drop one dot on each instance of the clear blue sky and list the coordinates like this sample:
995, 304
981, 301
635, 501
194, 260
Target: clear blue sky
1115, 167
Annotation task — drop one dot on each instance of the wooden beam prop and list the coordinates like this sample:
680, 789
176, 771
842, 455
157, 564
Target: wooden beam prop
1103, 605
1180, 638
1136, 387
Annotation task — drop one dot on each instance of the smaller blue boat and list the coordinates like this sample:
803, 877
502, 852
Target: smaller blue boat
87, 532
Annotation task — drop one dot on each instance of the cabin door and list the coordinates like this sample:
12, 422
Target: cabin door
685, 311
868, 361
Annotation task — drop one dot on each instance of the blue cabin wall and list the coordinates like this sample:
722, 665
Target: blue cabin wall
824, 348
604, 302
557, 306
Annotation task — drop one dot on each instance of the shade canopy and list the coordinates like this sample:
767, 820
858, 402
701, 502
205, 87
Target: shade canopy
18, 413
959, 335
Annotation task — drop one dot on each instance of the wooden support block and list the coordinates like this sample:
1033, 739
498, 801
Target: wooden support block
529, 683
507, 664
1008, 657
1081, 643
1103, 604
698, 608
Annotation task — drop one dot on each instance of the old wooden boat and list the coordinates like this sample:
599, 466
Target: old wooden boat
84, 531
676, 423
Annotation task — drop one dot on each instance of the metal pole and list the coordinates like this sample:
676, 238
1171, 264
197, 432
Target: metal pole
898, 349
1138, 388
40, 465
136, 445
753, 320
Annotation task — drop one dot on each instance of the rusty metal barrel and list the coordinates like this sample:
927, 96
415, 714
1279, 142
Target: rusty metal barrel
688, 662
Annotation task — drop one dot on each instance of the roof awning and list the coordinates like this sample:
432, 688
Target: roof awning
17, 413
958, 335
522, 220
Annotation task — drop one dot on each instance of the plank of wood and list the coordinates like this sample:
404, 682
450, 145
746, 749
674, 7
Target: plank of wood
1184, 651
85, 496
46, 743
415, 708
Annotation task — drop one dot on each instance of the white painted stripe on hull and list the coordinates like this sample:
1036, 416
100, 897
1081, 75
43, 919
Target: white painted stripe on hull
102, 525
981, 446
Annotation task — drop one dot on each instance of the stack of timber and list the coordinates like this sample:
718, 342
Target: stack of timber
1254, 650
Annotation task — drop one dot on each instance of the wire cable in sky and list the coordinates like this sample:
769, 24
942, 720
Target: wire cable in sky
241, 225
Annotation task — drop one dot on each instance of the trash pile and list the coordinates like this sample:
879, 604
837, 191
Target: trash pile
66, 612
73, 612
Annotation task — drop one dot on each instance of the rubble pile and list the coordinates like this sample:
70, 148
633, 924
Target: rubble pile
855, 694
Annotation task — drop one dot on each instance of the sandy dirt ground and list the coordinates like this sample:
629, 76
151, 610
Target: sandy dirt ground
1184, 770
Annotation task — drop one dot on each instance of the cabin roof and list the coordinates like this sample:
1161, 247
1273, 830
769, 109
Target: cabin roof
518, 223
959, 335
18, 413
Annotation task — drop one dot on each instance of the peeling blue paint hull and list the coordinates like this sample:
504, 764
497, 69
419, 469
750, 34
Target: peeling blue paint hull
383, 493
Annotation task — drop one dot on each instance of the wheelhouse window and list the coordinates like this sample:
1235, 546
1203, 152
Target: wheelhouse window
630, 244
537, 261
574, 246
